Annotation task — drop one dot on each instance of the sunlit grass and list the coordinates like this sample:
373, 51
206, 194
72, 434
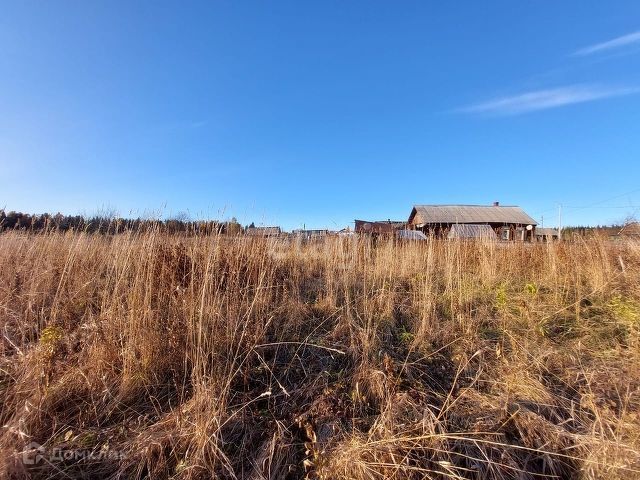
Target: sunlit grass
230, 357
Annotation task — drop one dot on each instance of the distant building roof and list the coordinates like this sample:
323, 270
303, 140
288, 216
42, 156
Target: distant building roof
470, 230
477, 214
263, 231
393, 223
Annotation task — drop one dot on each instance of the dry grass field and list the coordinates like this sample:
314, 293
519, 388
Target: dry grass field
158, 356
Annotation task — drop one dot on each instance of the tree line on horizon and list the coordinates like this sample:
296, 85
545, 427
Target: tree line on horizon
114, 224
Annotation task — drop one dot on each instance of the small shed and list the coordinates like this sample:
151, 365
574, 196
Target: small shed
546, 234
471, 231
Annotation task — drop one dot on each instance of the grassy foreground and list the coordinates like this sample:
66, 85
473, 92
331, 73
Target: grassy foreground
158, 356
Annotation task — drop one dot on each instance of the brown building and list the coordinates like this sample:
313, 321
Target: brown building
383, 227
508, 222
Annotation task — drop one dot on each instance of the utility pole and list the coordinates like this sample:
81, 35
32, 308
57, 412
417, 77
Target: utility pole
559, 221
541, 221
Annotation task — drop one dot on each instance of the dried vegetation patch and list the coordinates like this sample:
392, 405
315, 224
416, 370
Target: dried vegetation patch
157, 356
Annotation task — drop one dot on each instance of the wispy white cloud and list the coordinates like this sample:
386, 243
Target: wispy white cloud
545, 99
623, 41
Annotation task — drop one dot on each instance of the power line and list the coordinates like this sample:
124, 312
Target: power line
609, 199
599, 202
604, 206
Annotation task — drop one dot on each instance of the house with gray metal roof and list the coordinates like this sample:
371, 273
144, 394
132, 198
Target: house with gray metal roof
508, 222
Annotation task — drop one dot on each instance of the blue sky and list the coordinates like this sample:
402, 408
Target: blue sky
317, 113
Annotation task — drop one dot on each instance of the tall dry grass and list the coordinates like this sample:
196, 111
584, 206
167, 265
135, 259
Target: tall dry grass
161, 356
